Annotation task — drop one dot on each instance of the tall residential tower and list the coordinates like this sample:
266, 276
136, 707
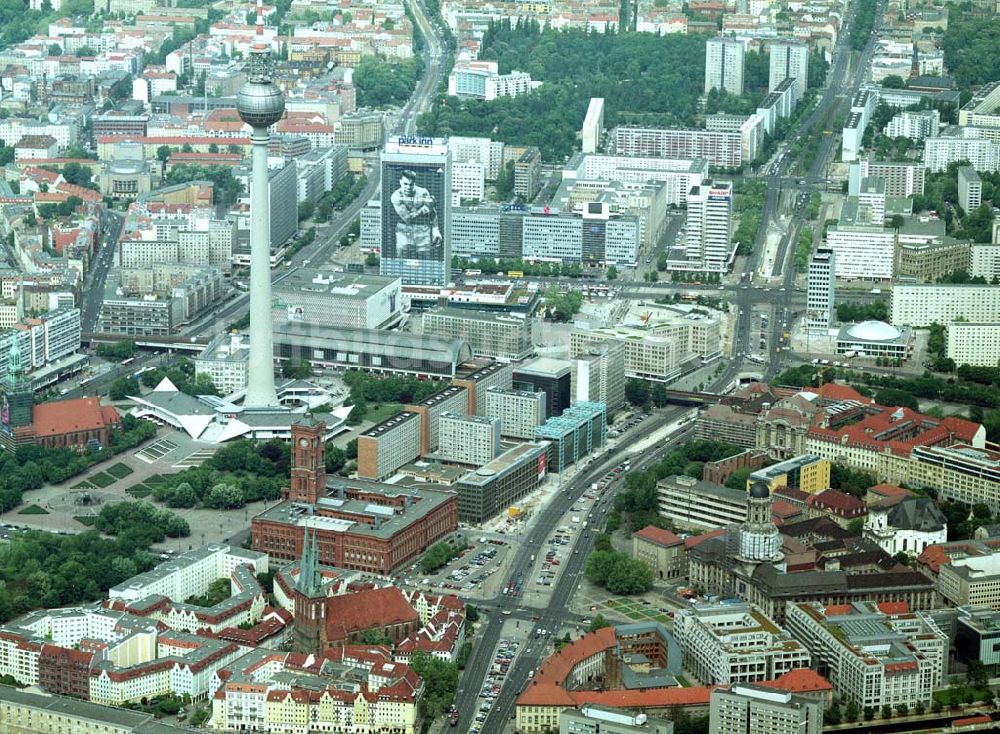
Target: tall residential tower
724, 65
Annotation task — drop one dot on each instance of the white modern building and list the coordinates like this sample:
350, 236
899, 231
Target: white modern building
593, 126
478, 150
468, 439
961, 144
724, 65
708, 241
468, 182
333, 299
920, 305
735, 643
820, 289
481, 79
864, 249
984, 257
789, 60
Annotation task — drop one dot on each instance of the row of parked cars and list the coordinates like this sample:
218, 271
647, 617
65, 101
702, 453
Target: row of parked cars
630, 422
502, 662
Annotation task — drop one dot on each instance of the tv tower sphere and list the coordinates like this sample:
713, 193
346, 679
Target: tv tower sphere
260, 102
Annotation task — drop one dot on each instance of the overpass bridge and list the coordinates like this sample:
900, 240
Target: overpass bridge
174, 343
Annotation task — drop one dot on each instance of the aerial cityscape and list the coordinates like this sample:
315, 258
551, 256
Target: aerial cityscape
499, 366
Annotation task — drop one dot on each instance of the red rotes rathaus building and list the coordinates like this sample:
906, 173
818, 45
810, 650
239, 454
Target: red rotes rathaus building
360, 525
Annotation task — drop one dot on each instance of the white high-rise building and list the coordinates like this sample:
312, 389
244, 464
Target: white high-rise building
920, 305
970, 189
724, 65
820, 289
709, 227
789, 60
416, 211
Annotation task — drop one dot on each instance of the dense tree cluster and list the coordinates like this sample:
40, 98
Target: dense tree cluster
366, 388
140, 524
226, 189
637, 505
876, 310
383, 82
343, 193
644, 79
438, 556
46, 570
864, 20
562, 304
749, 204
440, 682
181, 374
238, 473
618, 572
971, 47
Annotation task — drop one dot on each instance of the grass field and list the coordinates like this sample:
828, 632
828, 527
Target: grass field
139, 491
119, 470
154, 480
87, 520
377, 413
83, 485
102, 480
33, 510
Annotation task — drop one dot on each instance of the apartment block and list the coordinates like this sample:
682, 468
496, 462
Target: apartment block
468, 439
724, 65
923, 304
387, 446
720, 149
518, 411
789, 60
480, 380
450, 400
970, 188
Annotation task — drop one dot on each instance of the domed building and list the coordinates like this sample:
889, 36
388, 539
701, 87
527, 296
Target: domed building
875, 339
759, 539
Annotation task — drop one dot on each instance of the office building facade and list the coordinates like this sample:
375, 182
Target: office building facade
579, 430
756, 709
735, 643
489, 333
478, 381
550, 376
416, 211
599, 374
820, 289
494, 488
923, 304
708, 245
337, 300
700, 505
450, 400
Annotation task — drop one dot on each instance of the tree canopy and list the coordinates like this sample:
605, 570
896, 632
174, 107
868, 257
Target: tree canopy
644, 79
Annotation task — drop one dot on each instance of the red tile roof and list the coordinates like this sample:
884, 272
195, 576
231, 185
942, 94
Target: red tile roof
697, 540
800, 680
836, 610
557, 668
835, 391
782, 509
890, 490
838, 503
659, 536
366, 609
893, 607
68, 416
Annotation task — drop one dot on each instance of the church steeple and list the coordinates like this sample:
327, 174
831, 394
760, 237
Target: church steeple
15, 370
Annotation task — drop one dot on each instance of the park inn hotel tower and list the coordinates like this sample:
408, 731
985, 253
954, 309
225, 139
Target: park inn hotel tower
416, 211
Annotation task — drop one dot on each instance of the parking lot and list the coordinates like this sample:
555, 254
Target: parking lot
630, 421
471, 573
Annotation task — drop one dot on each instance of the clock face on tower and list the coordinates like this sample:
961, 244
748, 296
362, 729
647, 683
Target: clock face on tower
303, 442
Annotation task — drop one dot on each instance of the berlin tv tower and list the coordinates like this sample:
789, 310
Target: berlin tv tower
260, 104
